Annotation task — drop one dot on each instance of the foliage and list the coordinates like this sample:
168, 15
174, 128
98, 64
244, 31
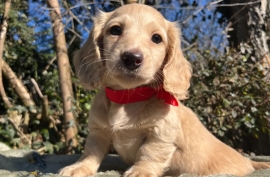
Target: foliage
230, 96
28, 59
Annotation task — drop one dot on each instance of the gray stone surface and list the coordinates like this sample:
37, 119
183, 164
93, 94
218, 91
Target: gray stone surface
19, 163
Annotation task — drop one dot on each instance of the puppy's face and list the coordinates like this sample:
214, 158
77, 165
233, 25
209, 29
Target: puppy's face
130, 47
134, 46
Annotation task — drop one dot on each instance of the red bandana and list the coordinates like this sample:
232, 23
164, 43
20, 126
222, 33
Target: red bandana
139, 94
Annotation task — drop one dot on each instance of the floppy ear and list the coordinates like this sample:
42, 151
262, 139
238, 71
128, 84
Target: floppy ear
177, 70
87, 61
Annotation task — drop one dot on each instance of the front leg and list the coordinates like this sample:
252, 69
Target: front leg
153, 158
96, 147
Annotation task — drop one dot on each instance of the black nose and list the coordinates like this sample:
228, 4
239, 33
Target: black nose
132, 59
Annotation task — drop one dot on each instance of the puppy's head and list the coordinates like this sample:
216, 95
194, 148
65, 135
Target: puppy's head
133, 46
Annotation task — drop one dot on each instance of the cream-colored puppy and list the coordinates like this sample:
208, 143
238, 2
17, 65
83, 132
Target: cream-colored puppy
133, 56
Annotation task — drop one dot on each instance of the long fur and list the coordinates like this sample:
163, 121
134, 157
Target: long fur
155, 138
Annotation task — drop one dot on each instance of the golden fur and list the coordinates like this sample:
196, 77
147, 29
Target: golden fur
155, 138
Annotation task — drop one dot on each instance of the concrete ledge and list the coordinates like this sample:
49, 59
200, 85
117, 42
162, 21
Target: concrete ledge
19, 163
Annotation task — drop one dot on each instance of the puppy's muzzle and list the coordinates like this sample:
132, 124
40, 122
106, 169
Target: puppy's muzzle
132, 59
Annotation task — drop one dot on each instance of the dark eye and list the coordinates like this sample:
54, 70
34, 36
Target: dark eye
116, 30
156, 38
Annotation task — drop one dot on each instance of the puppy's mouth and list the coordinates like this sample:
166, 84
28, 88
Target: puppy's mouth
129, 69
121, 76
126, 77
126, 73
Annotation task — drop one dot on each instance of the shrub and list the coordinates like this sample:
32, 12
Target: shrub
232, 98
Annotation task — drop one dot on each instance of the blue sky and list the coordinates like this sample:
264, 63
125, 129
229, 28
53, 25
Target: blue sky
206, 31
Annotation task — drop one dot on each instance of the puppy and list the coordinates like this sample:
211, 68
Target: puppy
133, 56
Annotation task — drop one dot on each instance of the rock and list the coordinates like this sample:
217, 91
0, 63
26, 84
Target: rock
4, 147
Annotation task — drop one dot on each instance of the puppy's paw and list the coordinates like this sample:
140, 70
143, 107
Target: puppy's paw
138, 172
76, 170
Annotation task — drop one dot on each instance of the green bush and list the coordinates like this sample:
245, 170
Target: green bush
231, 97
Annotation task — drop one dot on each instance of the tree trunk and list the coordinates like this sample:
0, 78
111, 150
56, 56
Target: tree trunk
267, 22
251, 25
3, 31
64, 73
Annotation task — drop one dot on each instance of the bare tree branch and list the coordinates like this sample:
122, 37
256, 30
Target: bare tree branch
19, 132
18, 86
33, 81
3, 31
238, 4
200, 9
